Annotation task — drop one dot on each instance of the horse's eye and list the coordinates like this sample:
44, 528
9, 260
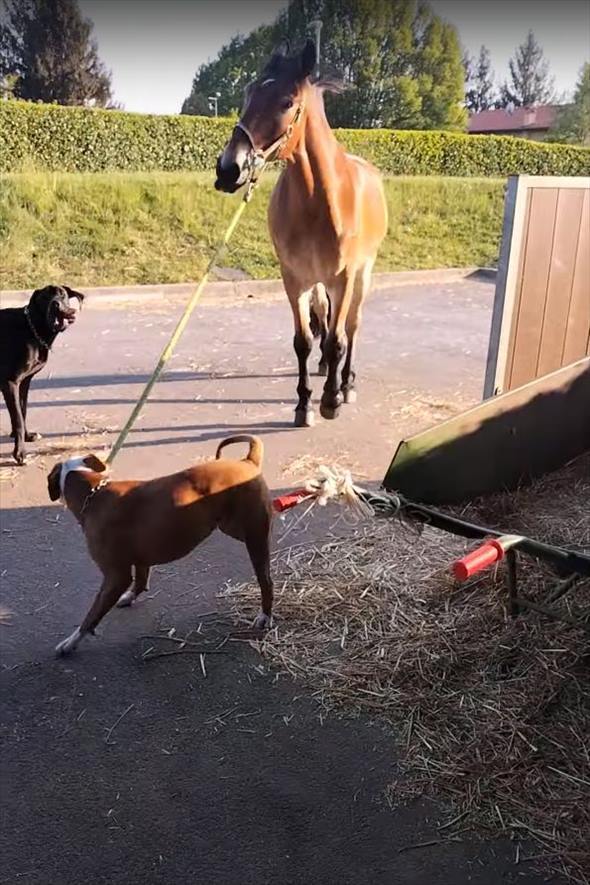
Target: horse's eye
286, 104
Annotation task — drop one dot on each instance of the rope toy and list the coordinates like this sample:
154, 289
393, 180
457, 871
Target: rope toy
329, 484
333, 483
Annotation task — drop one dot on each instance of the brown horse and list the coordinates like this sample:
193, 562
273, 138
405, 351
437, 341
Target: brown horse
327, 217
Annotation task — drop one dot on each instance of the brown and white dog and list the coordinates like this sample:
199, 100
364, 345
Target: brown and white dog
131, 525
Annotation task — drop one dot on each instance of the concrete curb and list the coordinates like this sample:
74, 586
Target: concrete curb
219, 292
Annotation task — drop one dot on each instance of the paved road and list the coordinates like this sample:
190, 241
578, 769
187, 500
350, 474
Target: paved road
228, 777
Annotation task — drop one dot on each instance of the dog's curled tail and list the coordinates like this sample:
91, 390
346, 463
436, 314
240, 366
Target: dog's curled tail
255, 451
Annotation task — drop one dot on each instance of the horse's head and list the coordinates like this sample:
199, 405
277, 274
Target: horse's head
271, 117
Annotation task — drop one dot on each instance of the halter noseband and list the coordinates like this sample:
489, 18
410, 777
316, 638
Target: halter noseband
263, 155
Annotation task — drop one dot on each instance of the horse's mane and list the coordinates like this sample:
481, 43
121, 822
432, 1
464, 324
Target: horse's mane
331, 84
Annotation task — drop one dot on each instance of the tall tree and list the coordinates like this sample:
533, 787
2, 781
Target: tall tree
573, 122
479, 95
400, 62
46, 45
439, 68
235, 66
468, 68
530, 81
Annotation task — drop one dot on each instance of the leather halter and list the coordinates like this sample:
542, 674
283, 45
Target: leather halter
263, 155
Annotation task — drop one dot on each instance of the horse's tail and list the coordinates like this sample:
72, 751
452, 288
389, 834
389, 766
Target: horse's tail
255, 451
319, 310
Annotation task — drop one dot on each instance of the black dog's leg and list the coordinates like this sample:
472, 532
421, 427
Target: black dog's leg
11, 396
24, 401
23, 396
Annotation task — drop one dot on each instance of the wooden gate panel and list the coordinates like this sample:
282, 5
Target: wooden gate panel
561, 276
541, 318
577, 341
532, 288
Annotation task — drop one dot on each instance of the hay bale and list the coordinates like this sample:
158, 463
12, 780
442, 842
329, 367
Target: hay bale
490, 713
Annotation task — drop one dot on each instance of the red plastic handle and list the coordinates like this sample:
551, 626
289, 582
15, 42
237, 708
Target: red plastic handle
483, 557
285, 502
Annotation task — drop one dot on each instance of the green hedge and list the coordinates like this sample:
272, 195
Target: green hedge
50, 137
447, 153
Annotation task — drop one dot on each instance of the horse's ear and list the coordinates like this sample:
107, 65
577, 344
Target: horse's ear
307, 59
280, 52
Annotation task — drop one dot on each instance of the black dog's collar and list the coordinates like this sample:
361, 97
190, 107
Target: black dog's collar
34, 331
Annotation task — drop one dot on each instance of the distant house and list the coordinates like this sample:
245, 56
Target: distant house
532, 123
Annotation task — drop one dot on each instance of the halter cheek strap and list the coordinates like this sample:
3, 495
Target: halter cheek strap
272, 151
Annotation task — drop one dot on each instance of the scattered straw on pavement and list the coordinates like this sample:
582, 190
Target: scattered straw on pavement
490, 713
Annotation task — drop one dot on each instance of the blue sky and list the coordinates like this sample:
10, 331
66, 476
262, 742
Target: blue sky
153, 47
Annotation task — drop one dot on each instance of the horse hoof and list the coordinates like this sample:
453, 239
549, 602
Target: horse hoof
262, 622
329, 412
304, 418
349, 396
322, 370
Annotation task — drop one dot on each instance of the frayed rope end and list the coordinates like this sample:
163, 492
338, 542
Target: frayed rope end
334, 483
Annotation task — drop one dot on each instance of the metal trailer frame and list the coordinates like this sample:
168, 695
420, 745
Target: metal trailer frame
526, 431
570, 565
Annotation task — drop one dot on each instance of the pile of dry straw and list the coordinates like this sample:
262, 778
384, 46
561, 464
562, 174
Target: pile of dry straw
489, 712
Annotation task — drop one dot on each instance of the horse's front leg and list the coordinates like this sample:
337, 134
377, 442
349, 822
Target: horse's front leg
303, 344
336, 344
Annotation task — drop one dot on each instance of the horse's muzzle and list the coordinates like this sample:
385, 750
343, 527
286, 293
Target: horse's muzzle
226, 186
230, 174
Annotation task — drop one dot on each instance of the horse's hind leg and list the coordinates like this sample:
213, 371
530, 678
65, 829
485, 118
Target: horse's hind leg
341, 293
303, 344
362, 283
320, 305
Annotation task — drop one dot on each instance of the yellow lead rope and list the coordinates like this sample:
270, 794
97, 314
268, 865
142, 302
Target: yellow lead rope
181, 325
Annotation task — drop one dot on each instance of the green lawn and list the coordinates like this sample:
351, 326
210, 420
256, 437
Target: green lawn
117, 228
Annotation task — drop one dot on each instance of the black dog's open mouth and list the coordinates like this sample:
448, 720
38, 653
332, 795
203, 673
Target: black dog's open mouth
64, 317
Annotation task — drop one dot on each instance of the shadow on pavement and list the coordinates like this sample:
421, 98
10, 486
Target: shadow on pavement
119, 769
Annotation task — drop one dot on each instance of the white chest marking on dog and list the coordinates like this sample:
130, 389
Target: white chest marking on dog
72, 464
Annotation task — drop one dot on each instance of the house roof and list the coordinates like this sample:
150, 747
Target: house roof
501, 120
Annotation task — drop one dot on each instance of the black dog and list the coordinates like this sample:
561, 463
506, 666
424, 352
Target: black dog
26, 336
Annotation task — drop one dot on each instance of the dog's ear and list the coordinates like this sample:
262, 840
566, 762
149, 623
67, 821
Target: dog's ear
39, 296
53, 483
73, 294
94, 463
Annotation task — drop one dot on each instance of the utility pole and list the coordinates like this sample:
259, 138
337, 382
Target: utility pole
213, 101
316, 25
